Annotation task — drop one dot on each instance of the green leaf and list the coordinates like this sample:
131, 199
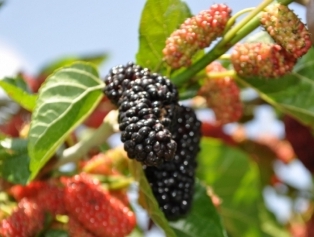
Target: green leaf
148, 201
14, 160
16, 89
96, 59
67, 97
294, 93
235, 179
202, 220
159, 19
55, 233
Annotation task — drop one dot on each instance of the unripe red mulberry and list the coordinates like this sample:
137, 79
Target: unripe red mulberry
76, 229
26, 221
99, 212
47, 195
286, 29
222, 95
261, 60
195, 33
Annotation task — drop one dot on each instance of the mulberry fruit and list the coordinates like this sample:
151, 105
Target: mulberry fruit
172, 182
96, 209
26, 221
286, 29
47, 195
194, 34
119, 78
147, 108
50, 198
32, 189
261, 60
75, 229
222, 95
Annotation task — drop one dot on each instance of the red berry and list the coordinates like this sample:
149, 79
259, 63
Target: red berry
286, 29
261, 60
51, 199
75, 229
26, 221
194, 34
222, 95
48, 195
96, 209
19, 191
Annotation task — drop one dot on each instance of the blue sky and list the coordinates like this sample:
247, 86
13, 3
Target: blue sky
40, 31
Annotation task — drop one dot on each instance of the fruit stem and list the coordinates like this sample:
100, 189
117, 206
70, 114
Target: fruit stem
242, 29
101, 134
232, 20
213, 75
225, 57
230, 34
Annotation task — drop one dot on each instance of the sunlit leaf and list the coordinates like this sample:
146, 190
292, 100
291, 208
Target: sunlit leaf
66, 98
159, 19
96, 59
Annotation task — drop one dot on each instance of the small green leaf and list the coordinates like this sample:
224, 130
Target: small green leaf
294, 93
16, 89
159, 19
14, 160
202, 220
67, 97
96, 59
148, 201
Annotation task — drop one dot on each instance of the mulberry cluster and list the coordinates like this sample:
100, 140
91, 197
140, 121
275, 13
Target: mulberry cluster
173, 181
286, 29
222, 95
92, 211
261, 59
147, 108
194, 34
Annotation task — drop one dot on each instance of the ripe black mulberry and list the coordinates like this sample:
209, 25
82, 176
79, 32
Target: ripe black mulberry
173, 181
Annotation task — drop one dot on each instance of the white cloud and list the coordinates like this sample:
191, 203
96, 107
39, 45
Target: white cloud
11, 61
